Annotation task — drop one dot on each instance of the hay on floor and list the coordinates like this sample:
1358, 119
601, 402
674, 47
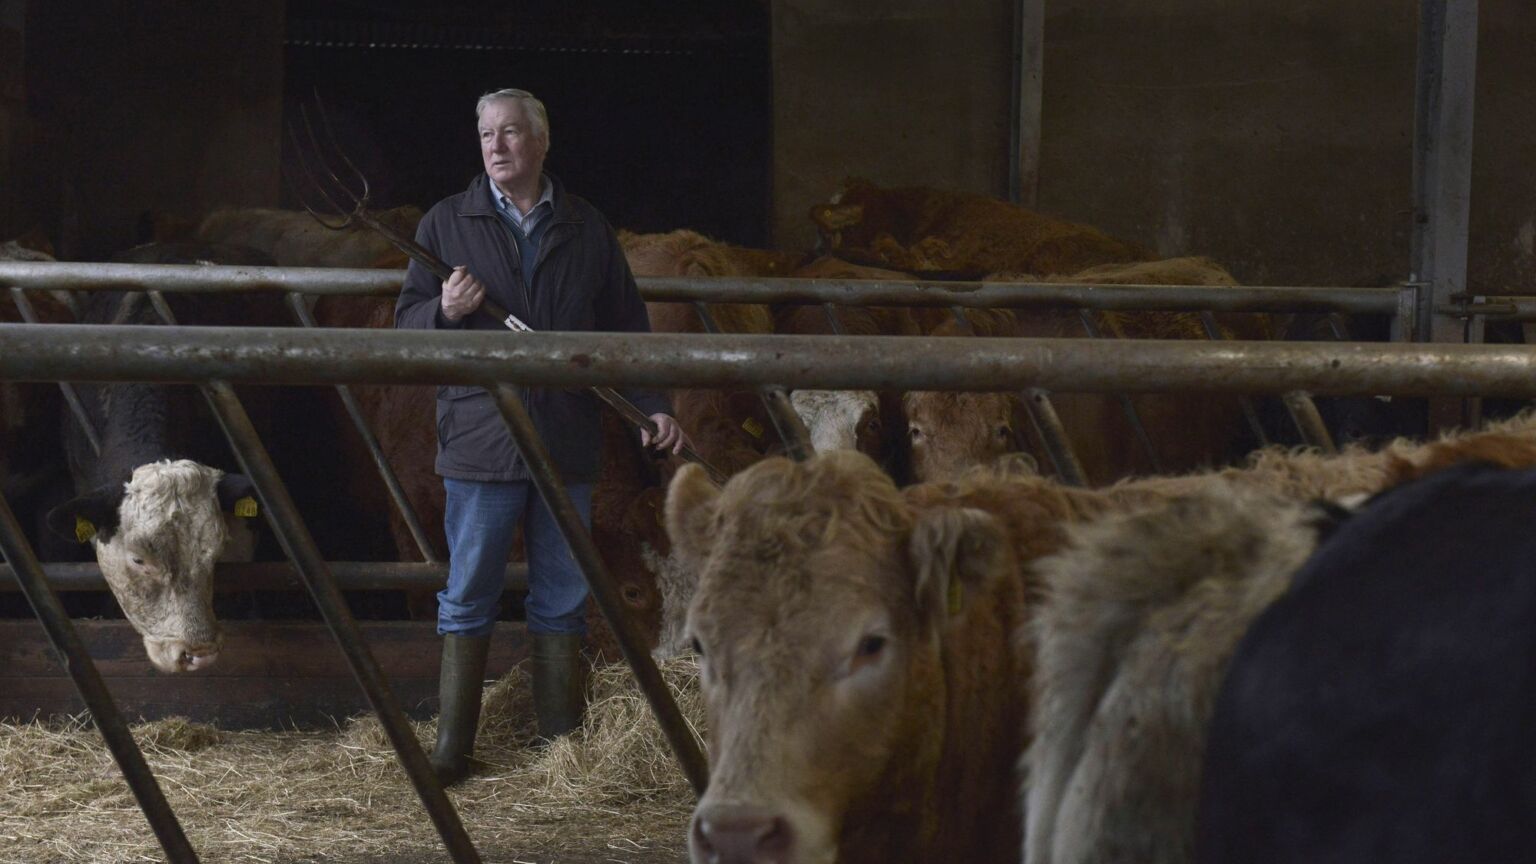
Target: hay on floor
610, 792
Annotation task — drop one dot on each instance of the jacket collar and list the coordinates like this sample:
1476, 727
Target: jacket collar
476, 200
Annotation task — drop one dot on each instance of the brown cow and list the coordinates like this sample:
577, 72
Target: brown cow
952, 431
854, 692
1142, 614
293, 238
729, 428
920, 229
857, 666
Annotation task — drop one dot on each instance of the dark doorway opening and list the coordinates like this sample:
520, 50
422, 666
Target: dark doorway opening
659, 113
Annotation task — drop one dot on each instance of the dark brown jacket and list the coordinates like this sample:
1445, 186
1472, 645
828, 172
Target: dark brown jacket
580, 282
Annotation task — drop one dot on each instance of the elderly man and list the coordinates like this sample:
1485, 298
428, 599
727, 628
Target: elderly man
516, 236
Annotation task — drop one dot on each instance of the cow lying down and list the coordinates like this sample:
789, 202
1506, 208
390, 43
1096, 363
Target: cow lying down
1131, 640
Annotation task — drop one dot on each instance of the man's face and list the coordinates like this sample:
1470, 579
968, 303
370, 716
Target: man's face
512, 150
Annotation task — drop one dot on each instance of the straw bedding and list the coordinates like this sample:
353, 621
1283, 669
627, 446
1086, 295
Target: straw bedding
611, 792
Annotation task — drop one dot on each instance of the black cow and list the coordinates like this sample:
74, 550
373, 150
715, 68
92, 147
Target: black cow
1384, 709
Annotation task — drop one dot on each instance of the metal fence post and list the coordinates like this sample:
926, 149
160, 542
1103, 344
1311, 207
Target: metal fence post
547, 480
283, 515
77, 661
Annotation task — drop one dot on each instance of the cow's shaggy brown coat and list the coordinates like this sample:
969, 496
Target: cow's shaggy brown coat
294, 239
1132, 638
858, 671
729, 428
953, 431
921, 229
1140, 616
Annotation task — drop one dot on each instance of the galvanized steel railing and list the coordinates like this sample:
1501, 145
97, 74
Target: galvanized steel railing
665, 360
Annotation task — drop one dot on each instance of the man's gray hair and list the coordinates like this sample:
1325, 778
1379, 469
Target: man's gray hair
531, 104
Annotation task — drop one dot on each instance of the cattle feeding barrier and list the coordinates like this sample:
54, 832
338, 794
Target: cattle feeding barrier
1400, 303
214, 358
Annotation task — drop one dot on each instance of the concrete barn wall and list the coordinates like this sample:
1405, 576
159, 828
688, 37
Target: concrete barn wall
1273, 137
903, 92
149, 106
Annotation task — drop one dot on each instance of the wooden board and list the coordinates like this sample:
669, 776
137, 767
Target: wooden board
269, 675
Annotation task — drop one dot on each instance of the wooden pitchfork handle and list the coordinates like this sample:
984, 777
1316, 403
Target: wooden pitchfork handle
627, 410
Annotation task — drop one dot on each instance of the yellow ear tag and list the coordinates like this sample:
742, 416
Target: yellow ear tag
84, 530
754, 428
245, 507
956, 596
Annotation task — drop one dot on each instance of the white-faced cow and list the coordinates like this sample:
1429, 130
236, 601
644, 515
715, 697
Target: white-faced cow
157, 515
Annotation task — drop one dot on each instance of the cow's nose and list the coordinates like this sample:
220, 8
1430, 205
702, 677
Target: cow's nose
741, 834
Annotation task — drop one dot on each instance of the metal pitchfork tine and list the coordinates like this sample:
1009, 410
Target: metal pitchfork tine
360, 212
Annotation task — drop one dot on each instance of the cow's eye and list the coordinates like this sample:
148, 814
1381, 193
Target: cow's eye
915, 432
870, 646
136, 560
1004, 432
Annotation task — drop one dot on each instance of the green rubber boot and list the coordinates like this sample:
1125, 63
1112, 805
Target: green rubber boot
559, 685
459, 684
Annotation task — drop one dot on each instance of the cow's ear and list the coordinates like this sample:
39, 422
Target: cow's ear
237, 495
691, 512
90, 516
955, 552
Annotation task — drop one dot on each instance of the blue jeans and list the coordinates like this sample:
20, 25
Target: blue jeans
481, 518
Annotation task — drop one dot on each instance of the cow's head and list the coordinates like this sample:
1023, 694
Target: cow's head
821, 614
841, 419
156, 538
951, 432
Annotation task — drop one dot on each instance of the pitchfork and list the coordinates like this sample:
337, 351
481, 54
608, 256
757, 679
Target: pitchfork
358, 211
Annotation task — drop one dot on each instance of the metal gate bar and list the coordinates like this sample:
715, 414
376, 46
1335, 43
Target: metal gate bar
1213, 333
547, 480
88, 276
1304, 413
786, 420
291, 355
1042, 415
832, 320
283, 515
82, 670
1018, 295
791, 429
71, 395
371, 441
276, 576
1127, 407
1057, 445
1298, 405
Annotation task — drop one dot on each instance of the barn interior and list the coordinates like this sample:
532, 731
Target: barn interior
1282, 141
1276, 139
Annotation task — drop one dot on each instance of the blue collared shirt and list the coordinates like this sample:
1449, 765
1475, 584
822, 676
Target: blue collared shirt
541, 210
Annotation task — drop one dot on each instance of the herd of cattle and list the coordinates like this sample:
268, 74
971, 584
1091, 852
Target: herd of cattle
915, 646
